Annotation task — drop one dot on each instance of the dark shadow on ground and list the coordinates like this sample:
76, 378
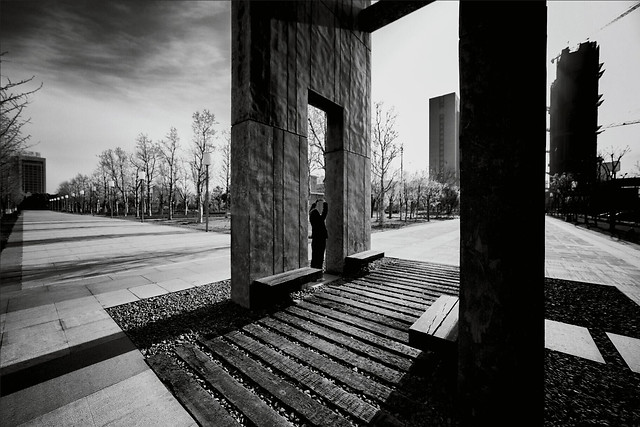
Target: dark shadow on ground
62, 362
65, 225
81, 239
7, 224
99, 266
426, 395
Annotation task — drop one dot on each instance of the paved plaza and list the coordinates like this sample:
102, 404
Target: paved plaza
64, 361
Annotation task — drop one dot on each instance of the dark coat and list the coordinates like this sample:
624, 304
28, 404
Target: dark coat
318, 228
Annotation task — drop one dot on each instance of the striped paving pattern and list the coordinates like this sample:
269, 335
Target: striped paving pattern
339, 358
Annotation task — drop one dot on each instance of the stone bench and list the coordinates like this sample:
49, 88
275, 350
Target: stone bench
437, 328
356, 262
271, 289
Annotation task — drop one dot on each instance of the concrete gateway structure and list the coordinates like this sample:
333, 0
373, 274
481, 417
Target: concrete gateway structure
286, 55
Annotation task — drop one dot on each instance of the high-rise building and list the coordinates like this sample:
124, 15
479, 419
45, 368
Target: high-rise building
444, 148
32, 172
574, 114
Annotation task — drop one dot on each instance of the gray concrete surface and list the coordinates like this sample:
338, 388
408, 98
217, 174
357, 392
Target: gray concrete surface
59, 273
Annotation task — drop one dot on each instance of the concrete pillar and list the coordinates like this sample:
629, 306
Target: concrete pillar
286, 55
502, 145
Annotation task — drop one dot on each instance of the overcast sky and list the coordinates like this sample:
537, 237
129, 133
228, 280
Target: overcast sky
113, 69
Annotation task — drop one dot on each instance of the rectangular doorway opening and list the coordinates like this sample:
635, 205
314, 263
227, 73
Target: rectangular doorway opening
326, 173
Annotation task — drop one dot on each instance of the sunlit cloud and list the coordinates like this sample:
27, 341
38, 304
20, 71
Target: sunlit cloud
118, 47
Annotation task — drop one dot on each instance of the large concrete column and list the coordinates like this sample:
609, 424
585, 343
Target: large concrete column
284, 56
502, 145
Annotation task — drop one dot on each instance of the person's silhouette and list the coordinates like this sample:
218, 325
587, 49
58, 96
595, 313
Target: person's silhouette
318, 233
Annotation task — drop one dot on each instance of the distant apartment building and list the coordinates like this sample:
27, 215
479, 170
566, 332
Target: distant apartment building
32, 172
574, 114
444, 148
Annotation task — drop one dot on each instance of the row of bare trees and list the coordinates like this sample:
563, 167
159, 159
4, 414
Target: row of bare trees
394, 190
605, 198
161, 174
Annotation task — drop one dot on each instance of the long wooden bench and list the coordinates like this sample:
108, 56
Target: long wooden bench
437, 328
268, 290
354, 263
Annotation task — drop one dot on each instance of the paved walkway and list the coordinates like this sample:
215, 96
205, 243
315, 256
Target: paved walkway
571, 252
60, 350
64, 361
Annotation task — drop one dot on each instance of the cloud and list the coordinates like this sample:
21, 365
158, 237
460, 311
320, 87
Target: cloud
119, 47
114, 68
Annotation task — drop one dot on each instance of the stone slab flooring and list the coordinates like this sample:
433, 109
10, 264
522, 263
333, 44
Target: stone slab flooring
62, 357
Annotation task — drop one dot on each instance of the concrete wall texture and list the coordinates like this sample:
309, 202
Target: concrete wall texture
285, 56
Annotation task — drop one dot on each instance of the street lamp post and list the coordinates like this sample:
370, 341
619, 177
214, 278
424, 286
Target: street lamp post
93, 192
206, 160
82, 196
141, 178
112, 184
66, 202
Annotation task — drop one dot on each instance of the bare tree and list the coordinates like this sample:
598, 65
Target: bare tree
124, 174
609, 170
96, 196
79, 185
169, 151
102, 174
116, 162
12, 121
203, 134
108, 163
13, 101
182, 186
384, 150
146, 157
225, 168
317, 131
418, 184
433, 193
609, 161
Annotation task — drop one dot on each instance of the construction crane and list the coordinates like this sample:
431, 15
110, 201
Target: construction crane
617, 18
611, 125
626, 123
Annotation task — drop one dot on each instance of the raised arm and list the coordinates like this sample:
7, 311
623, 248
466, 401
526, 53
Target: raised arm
325, 209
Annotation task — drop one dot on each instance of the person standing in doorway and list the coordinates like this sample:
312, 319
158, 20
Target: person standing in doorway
318, 232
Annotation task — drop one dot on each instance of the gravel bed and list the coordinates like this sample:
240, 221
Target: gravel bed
578, 392
160, 323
